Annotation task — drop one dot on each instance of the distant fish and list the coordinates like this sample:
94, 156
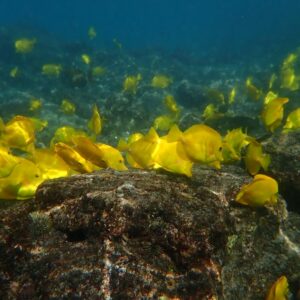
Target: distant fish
35, 104
161, 81
163, 122
92, 33
14, 72
253, 92
292, 121
98, 71
24, 45
51, 69
171, 104
131, 83
86, 58
272, 113
67, 107
95, 122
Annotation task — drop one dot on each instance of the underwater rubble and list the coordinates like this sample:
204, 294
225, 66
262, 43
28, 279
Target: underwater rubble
146, 235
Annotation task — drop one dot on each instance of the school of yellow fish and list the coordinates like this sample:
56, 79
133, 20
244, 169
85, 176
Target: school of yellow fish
23, 166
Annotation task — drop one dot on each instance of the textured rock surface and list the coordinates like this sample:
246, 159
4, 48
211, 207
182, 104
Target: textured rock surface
285, 166
142, 235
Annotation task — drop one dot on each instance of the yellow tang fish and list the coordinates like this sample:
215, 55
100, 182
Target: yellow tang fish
19, 133
24, 45
51, 69
117, 43
161, 81
98, 71
233, 143
67, 107
272, 113
50, 164
22, 182
112, 157
144, 149
171, 104
253, 92
262, 190
123, 145
232, 95
89, 150
289, 80
65, 135
272, 80
35, 104
279, 290
255, 159
292, 121
270, 96
171, 156
163, 122
203, 144
211, 113
14, 72
95, 123
86, 59
92, 33
130, 83
73, 158
7, 162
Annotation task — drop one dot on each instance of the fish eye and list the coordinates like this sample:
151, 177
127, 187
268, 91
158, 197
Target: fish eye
220, 149
36, 176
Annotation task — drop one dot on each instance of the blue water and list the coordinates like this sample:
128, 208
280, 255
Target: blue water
229, 26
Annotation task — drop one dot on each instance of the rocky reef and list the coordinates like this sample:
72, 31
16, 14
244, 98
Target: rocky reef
146, 235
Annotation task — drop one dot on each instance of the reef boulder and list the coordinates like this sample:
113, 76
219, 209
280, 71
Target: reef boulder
145, 235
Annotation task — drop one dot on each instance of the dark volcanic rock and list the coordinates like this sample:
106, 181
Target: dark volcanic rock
285, 166
144, 235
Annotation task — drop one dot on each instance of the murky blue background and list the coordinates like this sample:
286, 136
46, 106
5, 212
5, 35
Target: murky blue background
223, 26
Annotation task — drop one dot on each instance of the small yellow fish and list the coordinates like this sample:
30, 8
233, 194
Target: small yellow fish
211, 112
14, 72
7, 162
86, 59
19, 133
73, 158
92, 33
272, 113
67, 107
272, 80
171, 157
65, 135
232, 95
98, 71
292, 121
269, 97
22, 183
112, 157
117, 43
289, 60
24, 45
144, 149
163, 122
50, 164
233, 143
289, 80
95, 123
130, 83
35, 104
89, 150
253, 92
161, 81
203, 144
51, 69
255, 159
279, 290
171, 105
262, 190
